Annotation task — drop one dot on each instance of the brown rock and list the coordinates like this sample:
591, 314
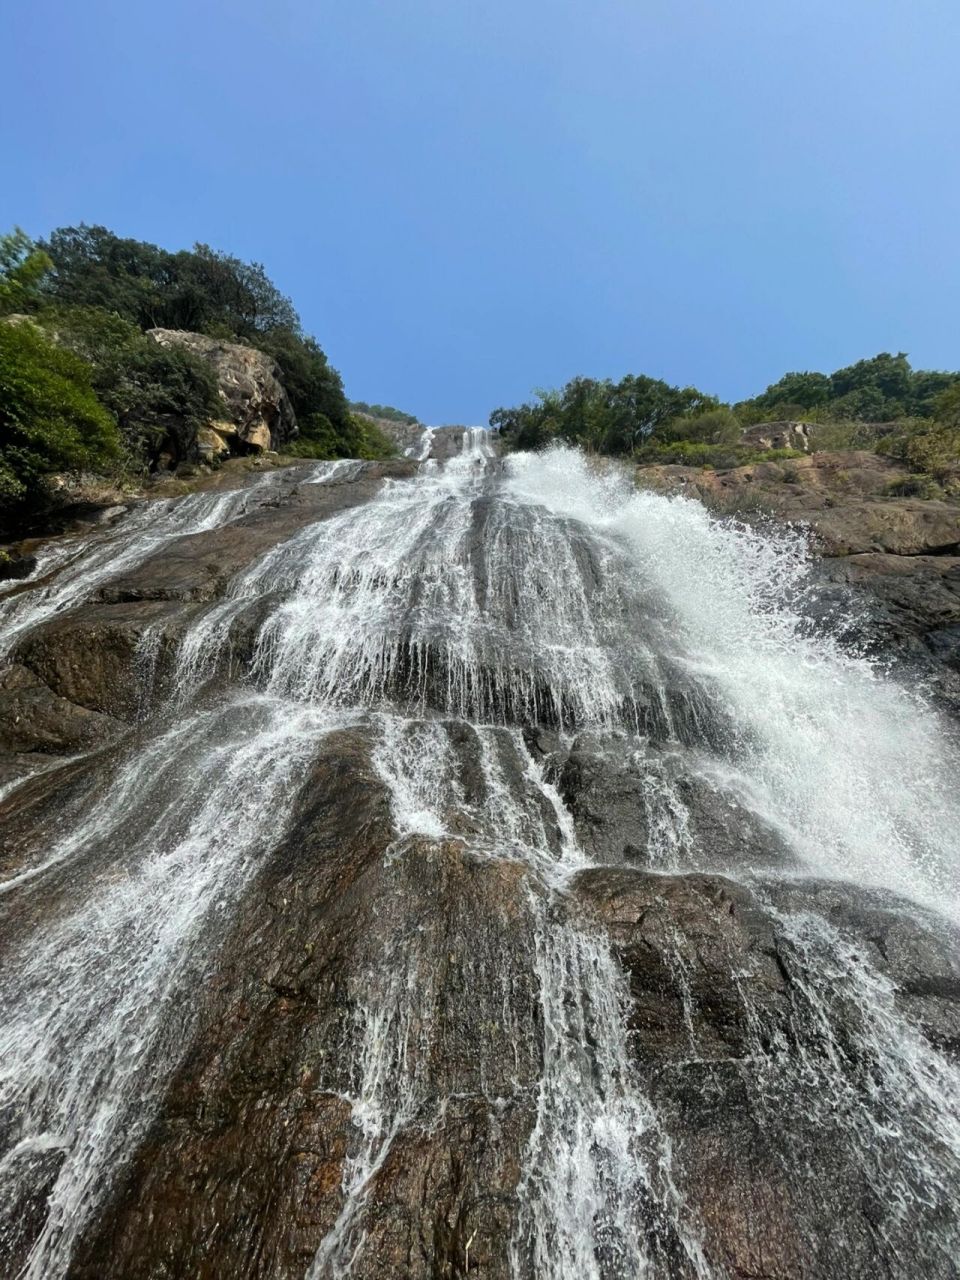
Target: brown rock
249, 382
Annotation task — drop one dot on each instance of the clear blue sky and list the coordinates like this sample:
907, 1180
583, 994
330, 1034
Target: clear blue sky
467, 199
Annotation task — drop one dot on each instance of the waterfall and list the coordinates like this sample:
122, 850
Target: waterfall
490, 626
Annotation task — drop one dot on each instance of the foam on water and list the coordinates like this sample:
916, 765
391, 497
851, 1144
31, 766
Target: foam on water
859, 770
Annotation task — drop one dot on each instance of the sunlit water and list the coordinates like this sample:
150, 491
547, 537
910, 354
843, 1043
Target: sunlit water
463, 604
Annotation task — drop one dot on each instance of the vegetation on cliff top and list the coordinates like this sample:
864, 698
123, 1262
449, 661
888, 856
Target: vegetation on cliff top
91, 390
881, 404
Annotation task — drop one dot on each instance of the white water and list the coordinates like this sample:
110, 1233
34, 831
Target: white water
860, 772
466, 603
78, 567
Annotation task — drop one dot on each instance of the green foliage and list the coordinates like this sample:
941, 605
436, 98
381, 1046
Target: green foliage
360, 438
602, 416
925, 447
313, 385
50, 418
386, 412
713, 426
143, 384
22, 268
199, 289
698, 453
882, 389
946, 406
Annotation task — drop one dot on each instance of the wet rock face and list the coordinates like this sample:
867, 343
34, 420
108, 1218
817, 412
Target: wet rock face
83, 677
451, 994
309, 1013
906, 608
257, 410
730, 1026
655, 808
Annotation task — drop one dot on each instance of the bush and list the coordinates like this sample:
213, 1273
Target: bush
833, 436
719, 457
714, 426
143, 384
928, 448
50, 418
319, 438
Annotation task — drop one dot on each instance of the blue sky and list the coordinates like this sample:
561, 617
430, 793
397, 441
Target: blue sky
467, 199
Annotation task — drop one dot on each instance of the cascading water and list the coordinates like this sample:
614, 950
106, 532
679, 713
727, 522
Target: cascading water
451, 617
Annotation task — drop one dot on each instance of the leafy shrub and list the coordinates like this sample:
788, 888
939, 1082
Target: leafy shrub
319, 438
50, 418
143, 384
931, 448
719, 457
713, 426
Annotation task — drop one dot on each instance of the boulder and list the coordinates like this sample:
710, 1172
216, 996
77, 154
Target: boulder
256, 405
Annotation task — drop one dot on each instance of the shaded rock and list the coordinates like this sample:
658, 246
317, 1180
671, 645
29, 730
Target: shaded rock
16, 565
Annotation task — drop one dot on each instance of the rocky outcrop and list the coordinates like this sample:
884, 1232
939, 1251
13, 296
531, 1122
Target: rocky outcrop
778, 435
852, 500
257, 410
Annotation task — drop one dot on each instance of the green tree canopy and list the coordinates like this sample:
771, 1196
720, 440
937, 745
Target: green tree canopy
601, 415
50, 418
200, 289
22, 268
880, 389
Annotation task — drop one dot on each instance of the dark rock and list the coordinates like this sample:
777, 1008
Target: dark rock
247, 1158
16, 566
768, 1049
35, 718
658, 808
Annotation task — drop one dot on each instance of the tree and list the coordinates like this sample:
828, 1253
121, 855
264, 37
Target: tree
22, 267
608, 417
312, 384
200, 289
50, 418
